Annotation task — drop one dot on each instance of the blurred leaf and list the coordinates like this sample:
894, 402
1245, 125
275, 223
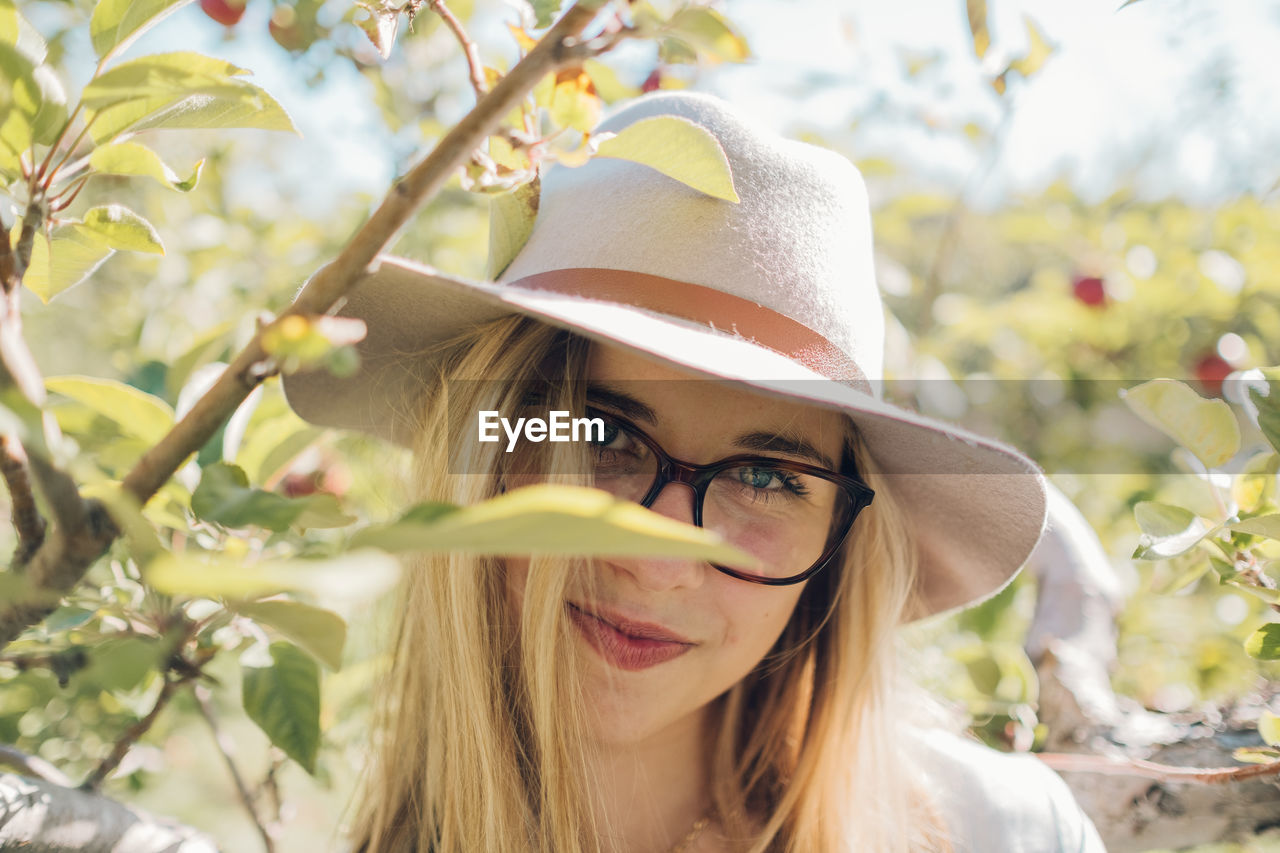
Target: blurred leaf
1251, 755
320, 632
679, 149
8, 23
299, 342
607, 84
351, 576
708, 31
121, 228
1170, 530
1264, 643
122, 664
1269, 407
550, 519
1186, 569
144, 543
284, 700
381, 25
71, 257
270, 445
977, 13
116, 23
1262, 525
131, 158
1038, 50
137, 413
67, 618
1256, 482
1269, 728
33, 104
1205, 427
224, 496
545, 12
511, 218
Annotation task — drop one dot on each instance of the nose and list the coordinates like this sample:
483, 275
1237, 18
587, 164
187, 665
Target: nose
658, 574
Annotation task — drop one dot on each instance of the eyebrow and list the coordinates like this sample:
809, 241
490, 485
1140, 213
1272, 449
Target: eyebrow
787, 442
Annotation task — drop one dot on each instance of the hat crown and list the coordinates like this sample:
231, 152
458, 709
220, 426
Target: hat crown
799, 241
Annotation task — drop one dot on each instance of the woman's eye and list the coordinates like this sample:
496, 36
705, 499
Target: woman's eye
609, 435
760, 478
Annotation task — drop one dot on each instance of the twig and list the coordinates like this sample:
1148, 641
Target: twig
133, 733
1109, 766
27, 520
65, 198
474, 65
32, 765
206, 710
358, 258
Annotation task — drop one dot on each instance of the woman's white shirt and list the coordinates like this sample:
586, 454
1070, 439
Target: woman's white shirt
994, 802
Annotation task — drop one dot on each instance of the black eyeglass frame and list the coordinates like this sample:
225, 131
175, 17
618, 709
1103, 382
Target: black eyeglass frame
699, 477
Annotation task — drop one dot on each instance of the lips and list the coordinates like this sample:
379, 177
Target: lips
627, 644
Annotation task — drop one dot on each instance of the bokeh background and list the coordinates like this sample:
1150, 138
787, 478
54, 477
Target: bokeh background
1093, 202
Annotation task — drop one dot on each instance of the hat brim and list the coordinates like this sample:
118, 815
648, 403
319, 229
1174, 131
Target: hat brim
975, 506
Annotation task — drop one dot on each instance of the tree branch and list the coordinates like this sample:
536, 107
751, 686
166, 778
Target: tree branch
27, 520
32, 765
134, 732
474, 65
355, 261
1113, 766
206, 710
67, 554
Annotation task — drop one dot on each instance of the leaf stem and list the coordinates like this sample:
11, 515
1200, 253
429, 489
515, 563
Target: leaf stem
474, 66
206, 710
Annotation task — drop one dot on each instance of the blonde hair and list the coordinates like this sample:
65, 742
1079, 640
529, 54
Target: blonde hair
478, 742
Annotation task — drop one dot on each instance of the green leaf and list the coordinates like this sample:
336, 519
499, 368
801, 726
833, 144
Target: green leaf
224, 496
123, 664
71, 257
545, 12
8, 23
511, 218
144, 544
353, 575
1205, 427
1185, 569
551, 519
163, 75
320, 632
116, 23
131, 158
284, 700
1269, 728
1262, 525
1170, 530
251, 108
1264, 643
137, 413
121, 228
705, 29
33, 104
679, 149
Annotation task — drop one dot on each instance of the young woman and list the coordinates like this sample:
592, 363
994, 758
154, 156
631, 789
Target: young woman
729, 350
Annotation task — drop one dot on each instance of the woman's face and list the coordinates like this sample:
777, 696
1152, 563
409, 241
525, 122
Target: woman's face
662, 637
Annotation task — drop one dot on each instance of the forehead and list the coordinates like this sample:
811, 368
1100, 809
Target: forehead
706, 415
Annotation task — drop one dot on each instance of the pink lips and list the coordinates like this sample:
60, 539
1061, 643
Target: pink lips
628, 645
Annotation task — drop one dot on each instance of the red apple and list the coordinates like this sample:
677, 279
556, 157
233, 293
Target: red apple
1090, 291
299, 485
1210, 370
652, 82
225, 12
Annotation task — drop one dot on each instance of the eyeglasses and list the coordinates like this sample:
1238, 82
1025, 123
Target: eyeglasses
792, 516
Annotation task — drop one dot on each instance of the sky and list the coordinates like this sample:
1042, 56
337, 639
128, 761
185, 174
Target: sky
1173, 97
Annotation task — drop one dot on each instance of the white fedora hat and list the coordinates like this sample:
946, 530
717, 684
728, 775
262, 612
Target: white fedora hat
776, 291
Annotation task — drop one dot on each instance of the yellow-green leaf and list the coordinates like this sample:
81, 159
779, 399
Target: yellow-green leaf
1262, 525
132, 158
1264, 643
1205, 427
351, 576
1256, 481
321, 632
121, 228
72, 256
1038, 50
679, 149
163, 75
977, 13
705, 29
511, 218
249, 107
554, 519
574, 102
137, 413
1254, 755
1269, 728
116, 23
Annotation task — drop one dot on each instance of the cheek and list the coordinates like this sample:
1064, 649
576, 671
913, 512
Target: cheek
754, 618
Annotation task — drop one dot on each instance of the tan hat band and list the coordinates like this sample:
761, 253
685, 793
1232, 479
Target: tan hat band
706, 306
